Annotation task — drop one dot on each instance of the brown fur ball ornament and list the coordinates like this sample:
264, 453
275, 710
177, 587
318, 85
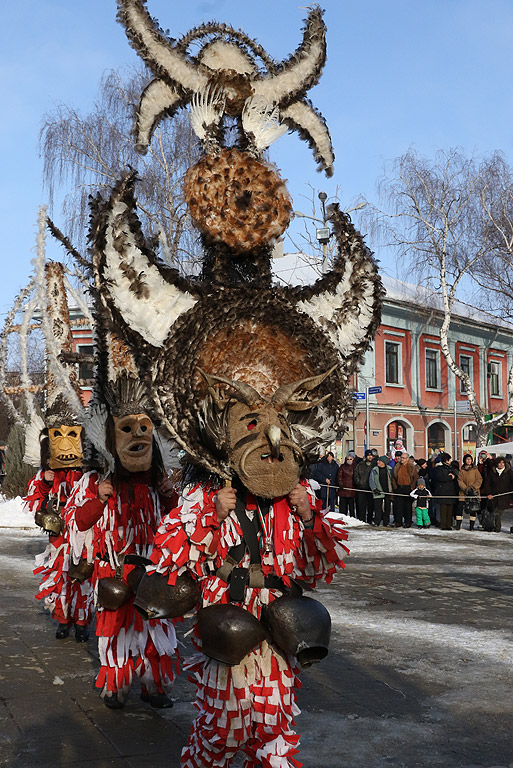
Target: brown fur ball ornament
237, 200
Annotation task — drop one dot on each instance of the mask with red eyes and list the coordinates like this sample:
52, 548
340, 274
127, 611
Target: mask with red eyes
262, 451
134, 441
65, 444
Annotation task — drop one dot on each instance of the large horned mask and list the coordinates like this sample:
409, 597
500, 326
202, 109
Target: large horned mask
262, 450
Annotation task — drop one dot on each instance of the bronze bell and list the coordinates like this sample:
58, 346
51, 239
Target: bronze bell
81, 571
113, 592
135, 575
228, 632
52, 523
156, 599
38, 518
300, 626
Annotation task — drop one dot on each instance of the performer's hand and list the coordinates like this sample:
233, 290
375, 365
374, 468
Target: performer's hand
328, 481
490, 496
225, 502
166, 487
298, 498
105, 490
49, 476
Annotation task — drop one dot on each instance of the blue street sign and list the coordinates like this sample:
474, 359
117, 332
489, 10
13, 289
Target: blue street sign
374, 390
358, 395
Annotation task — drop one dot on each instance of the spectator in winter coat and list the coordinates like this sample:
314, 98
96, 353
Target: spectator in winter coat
395, 460
380, 481
485, 466
345, 481
443, 487
499, 487
469, 482
364, 499
326, 475
423, 471
404, 480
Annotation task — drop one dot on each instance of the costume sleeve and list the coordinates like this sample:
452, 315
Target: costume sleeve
190, 536
87, 507
37, 491
320, 550
81, 540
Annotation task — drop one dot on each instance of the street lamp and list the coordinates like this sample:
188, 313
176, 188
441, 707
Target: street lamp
324, 233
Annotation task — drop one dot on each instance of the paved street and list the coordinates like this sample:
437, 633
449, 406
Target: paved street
420, 671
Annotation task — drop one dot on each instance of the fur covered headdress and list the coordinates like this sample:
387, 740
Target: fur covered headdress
232, 333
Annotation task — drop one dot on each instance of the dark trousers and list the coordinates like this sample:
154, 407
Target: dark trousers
364, 506
382, 511
346, 505
403, 506
446, 517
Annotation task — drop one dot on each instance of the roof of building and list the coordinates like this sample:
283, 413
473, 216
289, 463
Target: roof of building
298, 269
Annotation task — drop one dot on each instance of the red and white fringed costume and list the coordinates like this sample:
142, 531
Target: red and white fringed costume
125, 525
250, 706
69, 602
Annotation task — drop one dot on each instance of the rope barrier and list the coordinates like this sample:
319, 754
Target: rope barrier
394, 493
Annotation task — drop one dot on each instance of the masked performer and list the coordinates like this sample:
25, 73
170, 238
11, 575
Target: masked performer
250, 545
115, 518
228, 360
55, 442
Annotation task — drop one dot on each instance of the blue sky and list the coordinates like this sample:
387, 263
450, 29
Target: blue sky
432, 74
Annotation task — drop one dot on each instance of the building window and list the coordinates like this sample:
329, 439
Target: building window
436, 437
392, 362
85, 370
466, 367
432, 369
494, 371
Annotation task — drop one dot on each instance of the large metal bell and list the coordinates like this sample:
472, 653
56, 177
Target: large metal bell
113, 593
52, 524
228, 632
300, 626
156, 599
81, 571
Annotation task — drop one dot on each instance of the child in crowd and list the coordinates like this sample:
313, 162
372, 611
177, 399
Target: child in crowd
421, 496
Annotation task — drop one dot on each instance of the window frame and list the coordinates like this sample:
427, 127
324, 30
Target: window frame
81, 348
497, 363
438, 370
470, 372
399, 349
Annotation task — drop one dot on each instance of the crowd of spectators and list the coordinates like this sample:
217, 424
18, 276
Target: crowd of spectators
390, 490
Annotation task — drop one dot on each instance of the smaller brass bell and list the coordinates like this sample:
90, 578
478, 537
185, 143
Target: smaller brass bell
52, 524
113, 592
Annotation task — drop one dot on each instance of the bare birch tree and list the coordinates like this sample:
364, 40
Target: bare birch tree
440, 219
88, 153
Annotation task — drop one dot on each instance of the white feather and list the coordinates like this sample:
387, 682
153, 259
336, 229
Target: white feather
261, 118
305, 116
32, 444
156, 98
207, 107
151, 316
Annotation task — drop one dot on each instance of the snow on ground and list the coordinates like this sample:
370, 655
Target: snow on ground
12, 514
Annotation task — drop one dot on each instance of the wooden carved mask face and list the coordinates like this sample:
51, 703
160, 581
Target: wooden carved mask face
65, 444
262, 451
134, 441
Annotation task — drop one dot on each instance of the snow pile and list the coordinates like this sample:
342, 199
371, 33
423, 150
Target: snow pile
12, 514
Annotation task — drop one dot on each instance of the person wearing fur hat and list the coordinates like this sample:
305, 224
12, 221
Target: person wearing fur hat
469, 481
498, 488
380, 481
